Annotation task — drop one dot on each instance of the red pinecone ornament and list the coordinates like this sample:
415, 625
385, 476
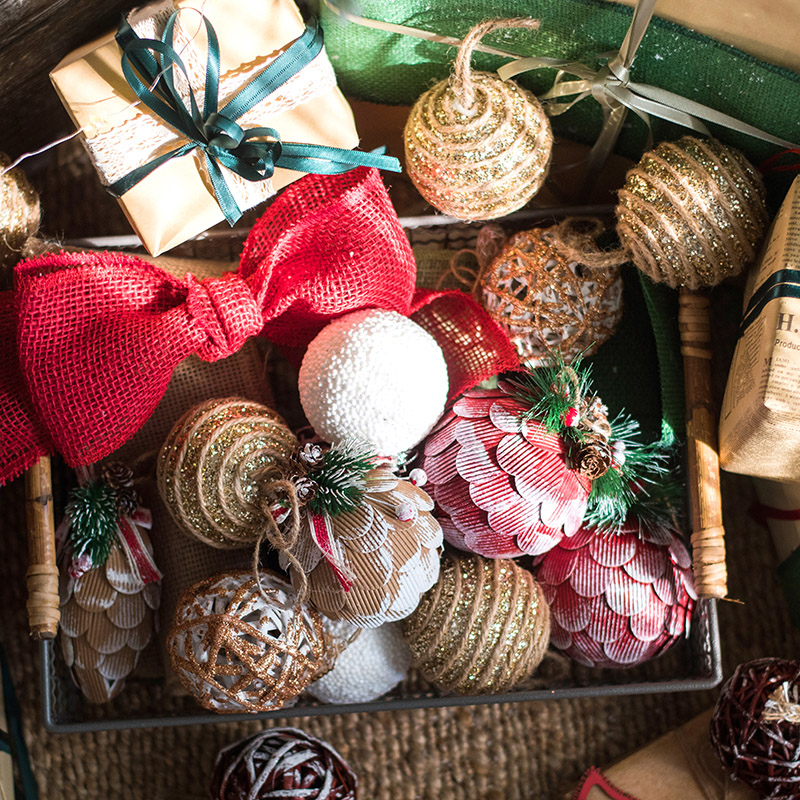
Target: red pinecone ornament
502, 485
617, 600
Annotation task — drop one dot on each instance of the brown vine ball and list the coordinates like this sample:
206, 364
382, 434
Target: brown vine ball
282, 762
755, 729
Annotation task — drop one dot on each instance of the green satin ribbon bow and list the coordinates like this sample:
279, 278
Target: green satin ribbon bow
252, 153
612, 87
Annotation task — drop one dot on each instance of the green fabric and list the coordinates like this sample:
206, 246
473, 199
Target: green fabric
396, 69
789, 576
639, 368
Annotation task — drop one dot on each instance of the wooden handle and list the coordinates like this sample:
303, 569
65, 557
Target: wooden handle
42, 574
705, 500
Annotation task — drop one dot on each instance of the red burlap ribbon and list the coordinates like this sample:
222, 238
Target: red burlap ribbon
88, 341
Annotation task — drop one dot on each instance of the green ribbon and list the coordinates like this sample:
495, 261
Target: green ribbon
149, 64
782, 283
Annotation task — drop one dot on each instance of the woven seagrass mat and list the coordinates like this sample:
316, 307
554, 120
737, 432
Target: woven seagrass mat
523, 750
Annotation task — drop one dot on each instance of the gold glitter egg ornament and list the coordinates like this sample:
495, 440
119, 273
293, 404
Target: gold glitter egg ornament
215, 465
547, 300
477, 147
237, 649
374, 376
483, 628
692, 213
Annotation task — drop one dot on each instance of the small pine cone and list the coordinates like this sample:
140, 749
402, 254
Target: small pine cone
117, 475
306, 489
311, 455
127, 500
595, 458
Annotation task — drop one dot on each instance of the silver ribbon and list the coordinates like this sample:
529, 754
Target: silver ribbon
610, 85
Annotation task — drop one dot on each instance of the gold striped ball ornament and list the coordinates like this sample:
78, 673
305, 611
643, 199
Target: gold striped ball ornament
215, 467
692, 213
483, 628
477, 147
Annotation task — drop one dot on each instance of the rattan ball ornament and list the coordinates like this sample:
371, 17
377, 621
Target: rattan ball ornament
19, 214
215, 466
373, 664
282, 763
692, 213
755, 728
239, 649
483, 628
374, 376
478, 147
547, 299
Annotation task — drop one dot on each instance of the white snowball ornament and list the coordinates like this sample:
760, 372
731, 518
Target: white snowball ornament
372, 665
374, 376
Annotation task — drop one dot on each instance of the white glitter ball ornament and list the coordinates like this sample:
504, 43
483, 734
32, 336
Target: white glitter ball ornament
374, 376
372, 665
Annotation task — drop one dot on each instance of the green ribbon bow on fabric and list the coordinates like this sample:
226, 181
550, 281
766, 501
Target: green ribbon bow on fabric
148, 65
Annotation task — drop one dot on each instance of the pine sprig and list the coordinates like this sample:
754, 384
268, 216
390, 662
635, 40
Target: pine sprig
342, 478
93, 516
638, 486
553, 392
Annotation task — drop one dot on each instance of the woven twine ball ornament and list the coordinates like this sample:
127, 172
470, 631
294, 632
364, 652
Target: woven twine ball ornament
551, 292
215, 467
19, 215
617, 600
755, 728
373, 664
237, 649
383, 554
282, 763
483, 628
477, 147
373, 376
692, 213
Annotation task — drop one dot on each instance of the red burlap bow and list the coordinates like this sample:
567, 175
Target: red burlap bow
88, 341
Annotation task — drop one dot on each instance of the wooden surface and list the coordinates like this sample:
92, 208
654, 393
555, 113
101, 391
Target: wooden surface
42, 573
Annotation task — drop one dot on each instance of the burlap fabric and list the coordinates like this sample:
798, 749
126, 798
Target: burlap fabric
495, 752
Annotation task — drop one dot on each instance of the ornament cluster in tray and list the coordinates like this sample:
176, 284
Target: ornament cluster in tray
463, 500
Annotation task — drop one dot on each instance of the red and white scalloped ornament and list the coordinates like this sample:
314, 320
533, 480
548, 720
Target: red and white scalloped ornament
617, 600
503, 485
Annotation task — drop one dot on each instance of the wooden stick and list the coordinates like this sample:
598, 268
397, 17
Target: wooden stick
42, 574
708, 535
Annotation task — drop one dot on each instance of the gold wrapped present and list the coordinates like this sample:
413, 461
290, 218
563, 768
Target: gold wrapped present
181, 197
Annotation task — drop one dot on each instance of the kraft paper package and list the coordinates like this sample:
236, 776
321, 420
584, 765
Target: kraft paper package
759, 431
177, 201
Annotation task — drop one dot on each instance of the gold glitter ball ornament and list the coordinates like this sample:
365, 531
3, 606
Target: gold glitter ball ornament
19, 215
235, 650
692, 213
477, 147
549, 302
215, 465
483, 628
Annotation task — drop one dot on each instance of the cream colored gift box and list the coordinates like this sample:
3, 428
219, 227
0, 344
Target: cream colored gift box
176, 201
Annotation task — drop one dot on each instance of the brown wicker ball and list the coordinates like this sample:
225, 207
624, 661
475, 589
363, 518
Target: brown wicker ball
19, 216
755, 729
282, 762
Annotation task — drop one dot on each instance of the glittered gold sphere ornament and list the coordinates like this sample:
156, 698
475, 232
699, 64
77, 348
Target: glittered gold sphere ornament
237, 649
692, 213
478, 147
549, 301
19, 214
483, 628
215, 466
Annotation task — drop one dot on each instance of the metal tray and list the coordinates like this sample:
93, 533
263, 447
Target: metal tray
691, 665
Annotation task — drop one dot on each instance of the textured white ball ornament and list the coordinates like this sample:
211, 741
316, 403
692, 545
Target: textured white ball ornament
372, 665
374, 376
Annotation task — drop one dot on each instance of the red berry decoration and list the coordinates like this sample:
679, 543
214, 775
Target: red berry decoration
618, 599
511, 469
755, 729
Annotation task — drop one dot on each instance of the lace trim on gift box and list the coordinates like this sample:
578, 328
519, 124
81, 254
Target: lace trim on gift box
117, 150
